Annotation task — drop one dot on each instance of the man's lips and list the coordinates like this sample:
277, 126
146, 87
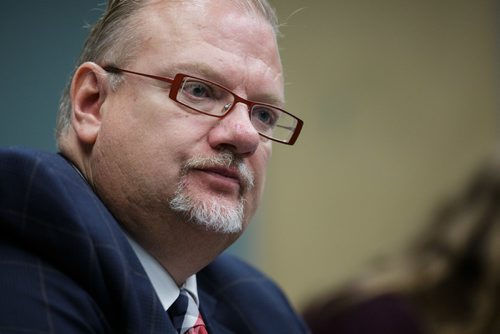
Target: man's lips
227, 172
224, 173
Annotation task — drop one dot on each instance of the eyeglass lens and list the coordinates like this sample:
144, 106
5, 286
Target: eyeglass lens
215, 100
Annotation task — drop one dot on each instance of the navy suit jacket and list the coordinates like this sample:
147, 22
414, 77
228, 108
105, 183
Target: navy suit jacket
66, 266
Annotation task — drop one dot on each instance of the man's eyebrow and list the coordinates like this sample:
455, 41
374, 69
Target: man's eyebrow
204, 71
269, 99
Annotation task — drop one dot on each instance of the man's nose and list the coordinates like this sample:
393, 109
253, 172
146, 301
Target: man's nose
235, 132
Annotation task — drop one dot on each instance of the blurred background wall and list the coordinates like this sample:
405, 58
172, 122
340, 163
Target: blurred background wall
39, 42
400, 103
399, 100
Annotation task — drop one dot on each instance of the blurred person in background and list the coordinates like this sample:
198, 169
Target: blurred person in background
164, 132
447, 282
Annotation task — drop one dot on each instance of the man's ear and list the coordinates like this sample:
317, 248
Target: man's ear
88, 92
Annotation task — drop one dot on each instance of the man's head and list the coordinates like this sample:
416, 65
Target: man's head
154, 161
113, 38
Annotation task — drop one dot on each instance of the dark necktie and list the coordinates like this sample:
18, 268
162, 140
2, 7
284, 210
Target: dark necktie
185, 315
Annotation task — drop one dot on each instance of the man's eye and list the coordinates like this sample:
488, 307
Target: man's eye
265, 116
197, 89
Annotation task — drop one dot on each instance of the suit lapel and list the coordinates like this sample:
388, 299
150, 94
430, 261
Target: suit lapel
208, 309
170, 326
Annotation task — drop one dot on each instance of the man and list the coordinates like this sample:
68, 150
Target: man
165, 132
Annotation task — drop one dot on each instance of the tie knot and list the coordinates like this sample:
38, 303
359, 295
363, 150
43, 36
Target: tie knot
185, 315
180, 305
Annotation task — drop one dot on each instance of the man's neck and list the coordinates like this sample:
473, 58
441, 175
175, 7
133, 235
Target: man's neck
164, 285
181, 248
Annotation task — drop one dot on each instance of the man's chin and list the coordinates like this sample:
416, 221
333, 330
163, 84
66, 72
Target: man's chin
211, 225
208, 227
218, 215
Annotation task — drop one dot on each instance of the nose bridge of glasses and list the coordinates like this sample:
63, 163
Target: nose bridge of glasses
245, 112
239, 107
232, 102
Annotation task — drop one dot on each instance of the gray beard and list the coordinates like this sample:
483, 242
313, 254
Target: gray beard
212, 214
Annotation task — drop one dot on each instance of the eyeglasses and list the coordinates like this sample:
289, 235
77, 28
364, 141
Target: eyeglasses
212, 99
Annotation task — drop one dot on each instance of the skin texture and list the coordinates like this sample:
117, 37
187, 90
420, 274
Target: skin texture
131, 143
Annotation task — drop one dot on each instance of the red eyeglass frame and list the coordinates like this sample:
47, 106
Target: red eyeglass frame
176, 85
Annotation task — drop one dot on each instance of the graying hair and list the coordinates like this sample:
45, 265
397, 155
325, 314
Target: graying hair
113, 39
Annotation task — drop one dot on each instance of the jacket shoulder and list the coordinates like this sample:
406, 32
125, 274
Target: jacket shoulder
56, 233
26, 168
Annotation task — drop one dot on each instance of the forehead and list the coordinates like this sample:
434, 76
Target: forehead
223, 35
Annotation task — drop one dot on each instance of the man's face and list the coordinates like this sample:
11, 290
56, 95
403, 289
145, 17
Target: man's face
159, 161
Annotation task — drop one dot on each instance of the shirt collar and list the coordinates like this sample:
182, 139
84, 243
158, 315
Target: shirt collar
163, 284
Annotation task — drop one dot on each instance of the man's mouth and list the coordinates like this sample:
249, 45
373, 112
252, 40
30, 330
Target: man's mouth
224, 178
225, 170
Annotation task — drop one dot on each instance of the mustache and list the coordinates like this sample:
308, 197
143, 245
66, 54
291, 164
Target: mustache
222, 160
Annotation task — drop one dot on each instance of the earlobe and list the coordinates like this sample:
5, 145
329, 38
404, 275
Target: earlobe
88, 92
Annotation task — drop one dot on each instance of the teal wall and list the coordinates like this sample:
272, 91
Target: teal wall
39, 42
